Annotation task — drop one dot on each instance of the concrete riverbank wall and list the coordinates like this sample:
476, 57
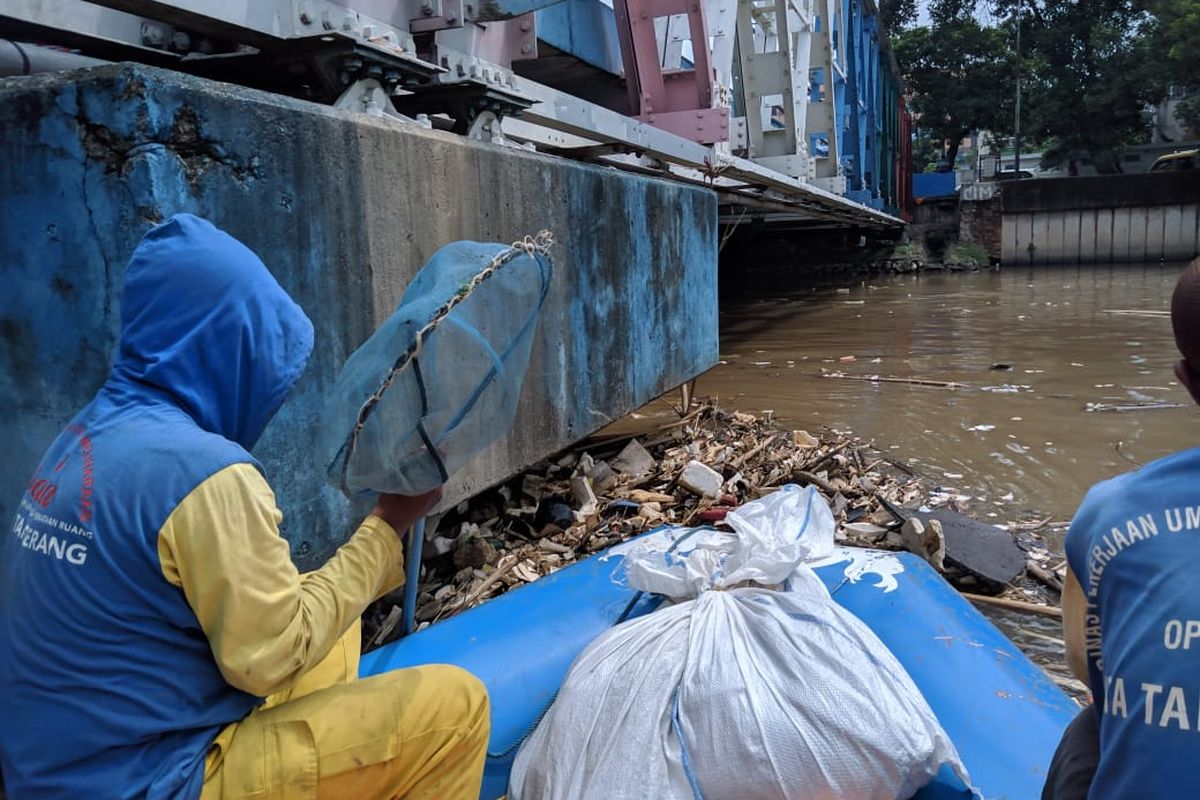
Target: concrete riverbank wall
343, 208
1108, 219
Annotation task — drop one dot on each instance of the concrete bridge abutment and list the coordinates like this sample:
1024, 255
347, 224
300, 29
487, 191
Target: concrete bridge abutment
344, 209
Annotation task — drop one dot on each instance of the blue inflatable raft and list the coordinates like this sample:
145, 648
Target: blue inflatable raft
1004, 715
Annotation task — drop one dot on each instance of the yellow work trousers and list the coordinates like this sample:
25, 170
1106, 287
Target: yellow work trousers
418, 734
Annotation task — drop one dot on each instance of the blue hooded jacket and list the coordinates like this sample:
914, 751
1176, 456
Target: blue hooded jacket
108, 686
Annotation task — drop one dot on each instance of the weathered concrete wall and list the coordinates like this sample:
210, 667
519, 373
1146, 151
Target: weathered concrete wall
1106, 219
343, 209
980, 218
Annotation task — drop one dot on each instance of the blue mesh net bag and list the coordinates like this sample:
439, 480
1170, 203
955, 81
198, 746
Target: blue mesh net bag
439, 381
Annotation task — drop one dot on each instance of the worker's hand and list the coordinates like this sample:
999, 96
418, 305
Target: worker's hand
401, 511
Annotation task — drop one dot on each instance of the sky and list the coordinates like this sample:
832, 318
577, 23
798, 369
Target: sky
981, 13
922, 12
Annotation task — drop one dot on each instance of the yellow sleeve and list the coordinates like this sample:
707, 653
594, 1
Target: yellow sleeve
266, 623
1074, 608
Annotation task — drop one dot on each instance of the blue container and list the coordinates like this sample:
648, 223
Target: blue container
934, 184
1004, 715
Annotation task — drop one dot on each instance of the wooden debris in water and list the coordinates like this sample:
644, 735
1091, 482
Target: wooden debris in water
1127, 407
607, 489
1137, 312
887, 379
1015, 605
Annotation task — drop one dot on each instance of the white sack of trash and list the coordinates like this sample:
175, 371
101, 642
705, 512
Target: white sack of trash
750, 683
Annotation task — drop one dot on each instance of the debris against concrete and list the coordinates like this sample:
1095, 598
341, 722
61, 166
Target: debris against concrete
694, 470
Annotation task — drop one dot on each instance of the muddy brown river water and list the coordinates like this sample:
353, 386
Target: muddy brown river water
1087, 391
1063, 378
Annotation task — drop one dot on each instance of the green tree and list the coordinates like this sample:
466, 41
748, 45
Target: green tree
959, 76
927, 152
897, 14
1177, 36
1090, 73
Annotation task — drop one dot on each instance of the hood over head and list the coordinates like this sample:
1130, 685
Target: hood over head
204, 322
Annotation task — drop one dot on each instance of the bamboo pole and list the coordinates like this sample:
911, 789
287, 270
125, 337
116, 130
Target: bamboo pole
1137, 312
1014, 605
884, 379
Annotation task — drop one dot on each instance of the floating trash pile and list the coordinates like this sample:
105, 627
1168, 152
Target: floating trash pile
692, 471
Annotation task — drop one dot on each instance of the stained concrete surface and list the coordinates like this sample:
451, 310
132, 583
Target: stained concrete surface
344, 209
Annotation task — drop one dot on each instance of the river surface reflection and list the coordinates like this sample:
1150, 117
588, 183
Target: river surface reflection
1073, 340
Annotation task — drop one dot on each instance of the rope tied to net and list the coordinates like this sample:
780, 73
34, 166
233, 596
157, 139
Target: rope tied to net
538, 244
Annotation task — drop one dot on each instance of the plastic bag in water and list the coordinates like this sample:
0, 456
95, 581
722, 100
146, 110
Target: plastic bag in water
439, 381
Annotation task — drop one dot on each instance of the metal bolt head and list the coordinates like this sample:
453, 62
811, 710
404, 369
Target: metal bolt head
526, 26
153, 35
527, 48
180, 42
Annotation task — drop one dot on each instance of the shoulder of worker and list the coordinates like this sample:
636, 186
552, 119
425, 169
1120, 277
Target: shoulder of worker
226, 511
232, 485
216, 475
145, 459
169, 448
1164, 482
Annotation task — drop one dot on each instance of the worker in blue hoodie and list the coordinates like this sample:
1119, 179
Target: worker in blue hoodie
155, 639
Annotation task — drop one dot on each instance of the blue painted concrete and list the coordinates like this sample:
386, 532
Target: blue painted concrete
1002, 713
934, 184
343, 209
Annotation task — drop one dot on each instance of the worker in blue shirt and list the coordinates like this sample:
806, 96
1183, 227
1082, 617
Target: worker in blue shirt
1131, 616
